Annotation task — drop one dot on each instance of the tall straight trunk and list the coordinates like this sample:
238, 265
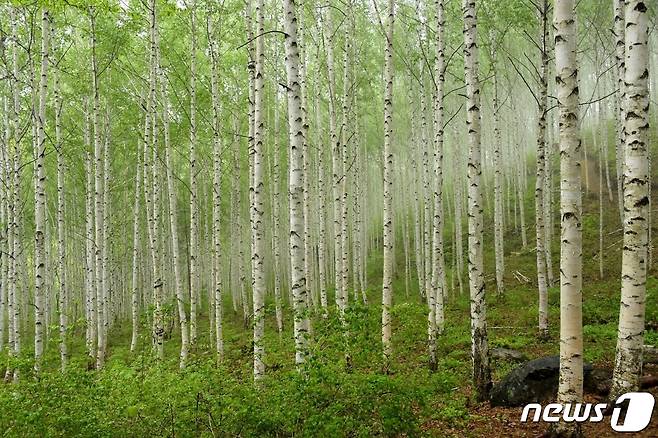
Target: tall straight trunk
216, 194
295, 183
175, 250
459, 240
335, 165
570, 388
345, 138
601, 159
540, 232
194, 201
418, 236
4, 219
310, 297
387, 281
618, 31
98, 203
548, 211
498, 195
630, 340
276, 199
257, 256
520, 196
13, 170
40, 298
136, 246
158, 317
322, 233
90, 276
479, 339
61, 238
438, 262
107, 292
427, 200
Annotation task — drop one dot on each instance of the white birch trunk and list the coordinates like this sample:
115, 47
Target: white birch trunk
175, 250
387, 282
480, 347
40, 298
257, 257
61, 244
295, 181
570, 388
630, 340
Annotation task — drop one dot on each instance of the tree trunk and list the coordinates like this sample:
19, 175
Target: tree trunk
499, 251
540, 232
61, 245
257, 257
570, 387
216, 194
630, 341
618, 31
439, 270
175, 250
40, 299
480, 345
387, 283
194, 201
335, 166
297, 141
136, 245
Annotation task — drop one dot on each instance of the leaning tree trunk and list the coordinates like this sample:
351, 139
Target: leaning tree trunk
480, 345
570, 387
630, 341
296, 138
40, 298
387, 283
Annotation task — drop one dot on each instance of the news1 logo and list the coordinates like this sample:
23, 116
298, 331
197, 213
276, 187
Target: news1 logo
638, 412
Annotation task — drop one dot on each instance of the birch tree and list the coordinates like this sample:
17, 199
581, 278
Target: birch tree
295, 181
479, 339
175, 250
40, 200
258, 268
570, 388
62, 301
387, 282
630, 340
194, 202
540, 232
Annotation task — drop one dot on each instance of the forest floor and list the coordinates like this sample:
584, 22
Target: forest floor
136, 396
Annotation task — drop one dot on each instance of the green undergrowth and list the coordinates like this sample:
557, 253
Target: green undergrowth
134, 395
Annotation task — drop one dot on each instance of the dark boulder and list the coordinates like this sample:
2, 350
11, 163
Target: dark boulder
535, 381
